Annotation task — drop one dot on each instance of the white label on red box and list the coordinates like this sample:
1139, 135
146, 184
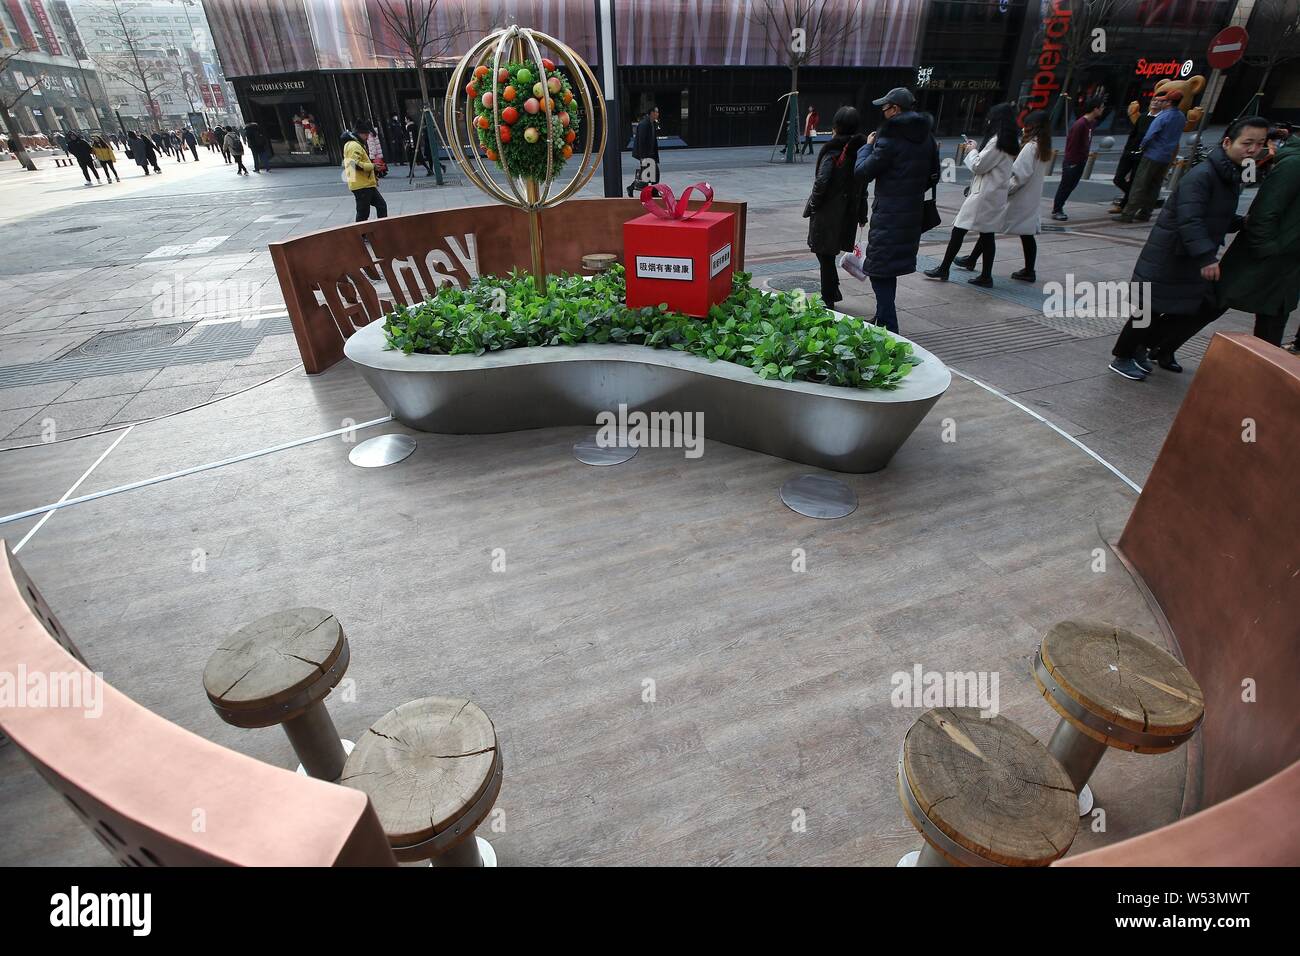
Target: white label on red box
665, 267
719, 260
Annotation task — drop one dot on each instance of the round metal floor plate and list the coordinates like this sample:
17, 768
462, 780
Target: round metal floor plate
589, 452
382, 450
819, 496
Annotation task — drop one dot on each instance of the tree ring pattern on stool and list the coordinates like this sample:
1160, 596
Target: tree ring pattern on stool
1118, 688
276, 667
432, 770
988, 786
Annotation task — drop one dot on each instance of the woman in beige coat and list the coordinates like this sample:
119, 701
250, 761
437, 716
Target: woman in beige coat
985, 207
1025, 194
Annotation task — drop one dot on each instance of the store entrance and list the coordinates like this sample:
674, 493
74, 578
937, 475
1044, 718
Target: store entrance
291, 126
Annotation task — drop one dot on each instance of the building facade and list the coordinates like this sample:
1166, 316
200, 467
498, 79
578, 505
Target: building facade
64, 89
715, 68
164, 47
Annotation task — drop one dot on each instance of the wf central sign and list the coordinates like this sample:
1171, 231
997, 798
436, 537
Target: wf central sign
1046, 83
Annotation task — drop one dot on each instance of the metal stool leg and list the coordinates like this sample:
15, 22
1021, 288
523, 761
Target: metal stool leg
1079, 754
316, 742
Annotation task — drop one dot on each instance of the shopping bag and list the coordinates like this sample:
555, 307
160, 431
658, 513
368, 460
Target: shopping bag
853, 262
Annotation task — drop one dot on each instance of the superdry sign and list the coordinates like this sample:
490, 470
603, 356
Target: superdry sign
1167, 68
1045, 84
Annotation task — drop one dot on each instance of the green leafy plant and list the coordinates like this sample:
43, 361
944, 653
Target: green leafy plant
779, 335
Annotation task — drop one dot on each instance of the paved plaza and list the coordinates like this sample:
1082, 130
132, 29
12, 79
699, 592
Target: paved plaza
209, 485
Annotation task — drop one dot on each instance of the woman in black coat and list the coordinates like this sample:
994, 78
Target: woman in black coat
902, 158
1180, 258
838, 203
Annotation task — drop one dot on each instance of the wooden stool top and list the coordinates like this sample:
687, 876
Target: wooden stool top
1117, 687
598, 261
985, 791
275, 668
432, 770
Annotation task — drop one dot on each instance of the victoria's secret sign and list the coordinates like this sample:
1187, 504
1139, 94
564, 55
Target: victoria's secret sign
1045, 82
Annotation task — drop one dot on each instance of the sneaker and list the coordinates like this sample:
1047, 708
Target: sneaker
1060, 217
1295, 347
984, 282
1128, 368
938, 272
1025, 275
1140, 357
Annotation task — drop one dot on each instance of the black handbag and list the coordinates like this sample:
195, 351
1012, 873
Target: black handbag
930, 217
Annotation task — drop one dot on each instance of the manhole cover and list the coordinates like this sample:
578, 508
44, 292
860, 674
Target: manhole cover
790, 283
132, 340
64, 232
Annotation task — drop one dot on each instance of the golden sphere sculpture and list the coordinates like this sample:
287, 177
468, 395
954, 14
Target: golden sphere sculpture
509, 105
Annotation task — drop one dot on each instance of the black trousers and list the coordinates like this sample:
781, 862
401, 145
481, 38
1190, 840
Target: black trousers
1071, 173
1167, 333
1124, 172
367, 197
985, 247
830, 278
87, 169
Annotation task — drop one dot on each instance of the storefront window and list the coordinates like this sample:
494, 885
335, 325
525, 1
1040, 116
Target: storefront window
287, 112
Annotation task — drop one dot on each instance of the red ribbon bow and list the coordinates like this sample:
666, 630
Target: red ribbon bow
673, 207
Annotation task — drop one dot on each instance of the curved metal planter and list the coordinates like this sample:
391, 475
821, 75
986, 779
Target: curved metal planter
840, 429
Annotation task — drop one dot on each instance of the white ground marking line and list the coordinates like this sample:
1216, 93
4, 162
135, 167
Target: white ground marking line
46, 517
66, 503
1064, 434
228, 319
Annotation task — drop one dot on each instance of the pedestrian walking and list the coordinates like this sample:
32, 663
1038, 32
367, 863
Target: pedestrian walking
80, 150
259, 145
235, 147
838, 204
645, 150
359, 173
902, 159
221, 143
1159, 147
397, 139
1025, 194
809, 130
1078, 144
1179, 261
984, 209
141, 151
1261, 269
1131, 157
107, 159
192, 141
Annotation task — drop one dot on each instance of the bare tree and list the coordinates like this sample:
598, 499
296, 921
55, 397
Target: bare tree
418, 36
131, 63
1087, 40
800, 32
9, 99
1274, 38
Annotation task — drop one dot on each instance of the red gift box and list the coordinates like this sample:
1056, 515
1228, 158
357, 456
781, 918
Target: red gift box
685, 263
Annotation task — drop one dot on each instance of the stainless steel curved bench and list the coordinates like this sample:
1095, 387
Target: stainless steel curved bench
840, 429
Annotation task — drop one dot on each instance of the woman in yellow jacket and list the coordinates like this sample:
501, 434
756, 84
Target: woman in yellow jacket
359, 173
104, 153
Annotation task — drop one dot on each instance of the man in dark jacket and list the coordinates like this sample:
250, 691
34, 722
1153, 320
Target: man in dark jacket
645, 150
85, 156
1130, 158
191, 141
1159, 147
259, 145
1179, 263
396, 140
1078, 143
902, 158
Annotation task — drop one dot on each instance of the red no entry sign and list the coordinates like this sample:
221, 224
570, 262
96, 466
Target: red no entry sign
1228, 47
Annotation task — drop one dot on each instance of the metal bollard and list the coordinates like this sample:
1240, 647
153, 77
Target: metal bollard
1092, 161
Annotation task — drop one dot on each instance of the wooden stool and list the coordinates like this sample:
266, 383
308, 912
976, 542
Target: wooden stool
278, 670
432, 771
1112, 689
983, 792
598, 261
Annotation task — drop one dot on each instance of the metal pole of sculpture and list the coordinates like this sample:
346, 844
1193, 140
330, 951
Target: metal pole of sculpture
524, 192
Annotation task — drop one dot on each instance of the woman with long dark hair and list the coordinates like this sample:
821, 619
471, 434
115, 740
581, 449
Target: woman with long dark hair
838, 204
985, 205
1025, 193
